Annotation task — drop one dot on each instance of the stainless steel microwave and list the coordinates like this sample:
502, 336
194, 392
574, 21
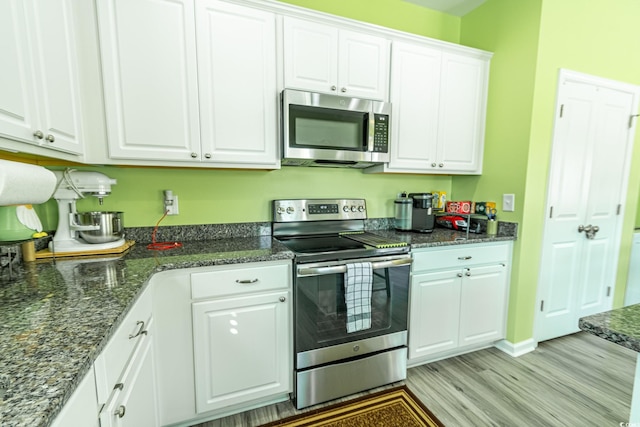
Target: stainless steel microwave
333, 130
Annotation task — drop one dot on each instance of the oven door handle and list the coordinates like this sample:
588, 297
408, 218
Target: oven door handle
320, 271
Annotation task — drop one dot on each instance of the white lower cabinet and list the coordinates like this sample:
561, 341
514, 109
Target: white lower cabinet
224, 339
82, 407
133, 400
458, 299
125, 371
242, 337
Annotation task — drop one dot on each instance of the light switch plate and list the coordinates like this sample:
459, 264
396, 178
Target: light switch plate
508, 202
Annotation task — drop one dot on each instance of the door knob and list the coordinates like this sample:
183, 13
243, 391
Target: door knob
589, 230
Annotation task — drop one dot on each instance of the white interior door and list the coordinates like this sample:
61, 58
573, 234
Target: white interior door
592, 143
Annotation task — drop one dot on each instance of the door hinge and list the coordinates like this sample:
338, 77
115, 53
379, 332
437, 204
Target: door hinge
551, 212
608, 291
561, 110
631, 119
542, 305
618, 209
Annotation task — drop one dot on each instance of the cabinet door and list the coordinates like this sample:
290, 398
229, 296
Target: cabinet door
483, 304
237, 83
435, 312
82, 407
17, 109
415, 96
56, 73
462, 113
363, 65
148, 52
133, 401
310, 56
242, 349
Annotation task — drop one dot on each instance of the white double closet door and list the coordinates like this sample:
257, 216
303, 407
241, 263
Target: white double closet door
591, 152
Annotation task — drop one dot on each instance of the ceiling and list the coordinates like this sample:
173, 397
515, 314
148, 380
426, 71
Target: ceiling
452, 7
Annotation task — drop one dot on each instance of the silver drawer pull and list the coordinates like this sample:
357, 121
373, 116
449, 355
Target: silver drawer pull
141, 331
464, 258
246, 281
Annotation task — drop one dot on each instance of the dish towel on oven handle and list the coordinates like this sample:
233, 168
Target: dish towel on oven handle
358, 282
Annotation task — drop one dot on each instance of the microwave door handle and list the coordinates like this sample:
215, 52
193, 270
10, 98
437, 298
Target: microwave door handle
371, 131
337, 269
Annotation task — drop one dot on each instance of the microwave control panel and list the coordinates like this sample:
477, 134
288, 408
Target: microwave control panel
381, 133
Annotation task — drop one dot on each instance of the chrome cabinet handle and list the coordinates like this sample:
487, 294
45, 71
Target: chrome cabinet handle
343, 90
459, 274
433, 165
38, 134
120, 411
50, 138
468, 273
441, 165
282, 299
194, 155
246, 281
141, 331
333, 88
464, 258
207, 156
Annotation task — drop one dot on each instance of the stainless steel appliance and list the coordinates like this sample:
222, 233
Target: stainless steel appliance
333, 130
326, 236
423, 219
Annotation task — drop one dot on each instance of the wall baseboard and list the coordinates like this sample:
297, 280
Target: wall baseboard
517, 349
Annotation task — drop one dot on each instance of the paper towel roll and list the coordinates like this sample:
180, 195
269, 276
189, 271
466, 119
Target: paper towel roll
21, 183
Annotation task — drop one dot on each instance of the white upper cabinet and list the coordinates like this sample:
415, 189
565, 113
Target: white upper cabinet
39, 83
323, 58
237, 83
150, 83
189, 82
438, 100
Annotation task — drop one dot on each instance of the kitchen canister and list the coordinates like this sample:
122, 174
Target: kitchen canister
492, 227
403, 206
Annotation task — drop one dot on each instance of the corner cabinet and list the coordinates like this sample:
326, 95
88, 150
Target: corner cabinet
189, 83
438, 96
39, 83
458, 299
326, 59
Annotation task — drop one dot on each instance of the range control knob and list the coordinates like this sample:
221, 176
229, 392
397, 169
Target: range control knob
290, 210
360, 208
354, 209
280, 210
345, 208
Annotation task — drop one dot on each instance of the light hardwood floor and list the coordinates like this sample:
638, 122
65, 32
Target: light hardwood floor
577, 380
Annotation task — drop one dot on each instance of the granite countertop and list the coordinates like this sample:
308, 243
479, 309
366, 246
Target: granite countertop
57, 316
621, 326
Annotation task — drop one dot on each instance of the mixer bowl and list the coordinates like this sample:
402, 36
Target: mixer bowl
111, 226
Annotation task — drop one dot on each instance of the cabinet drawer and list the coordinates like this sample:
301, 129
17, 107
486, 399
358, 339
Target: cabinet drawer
240, 279
459, 256
111, 362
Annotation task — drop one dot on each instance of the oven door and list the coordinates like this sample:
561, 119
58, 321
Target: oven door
321, 311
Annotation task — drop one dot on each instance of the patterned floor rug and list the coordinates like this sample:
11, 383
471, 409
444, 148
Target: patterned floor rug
394, 407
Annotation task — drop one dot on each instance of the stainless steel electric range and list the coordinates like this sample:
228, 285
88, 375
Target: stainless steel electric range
333, 358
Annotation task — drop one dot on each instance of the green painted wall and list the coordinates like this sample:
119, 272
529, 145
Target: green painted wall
531, 41
396, 14
207, 196
510, 30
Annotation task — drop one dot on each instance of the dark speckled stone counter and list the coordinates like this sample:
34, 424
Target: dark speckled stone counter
621, 326
57, 316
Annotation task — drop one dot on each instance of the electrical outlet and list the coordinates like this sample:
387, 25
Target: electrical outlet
508, 202
170, 203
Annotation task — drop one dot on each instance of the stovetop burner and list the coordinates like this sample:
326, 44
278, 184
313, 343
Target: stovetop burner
324, 229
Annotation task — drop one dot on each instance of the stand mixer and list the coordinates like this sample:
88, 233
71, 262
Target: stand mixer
74, 185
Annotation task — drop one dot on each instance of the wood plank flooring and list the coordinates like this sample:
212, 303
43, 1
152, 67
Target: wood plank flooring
577, 380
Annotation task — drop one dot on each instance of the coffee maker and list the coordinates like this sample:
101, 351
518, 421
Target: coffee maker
423, 220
